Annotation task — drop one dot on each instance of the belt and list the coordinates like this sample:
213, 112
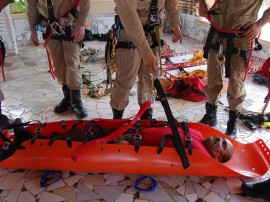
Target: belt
125, 45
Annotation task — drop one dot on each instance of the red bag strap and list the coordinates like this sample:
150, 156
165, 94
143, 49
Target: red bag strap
114, 134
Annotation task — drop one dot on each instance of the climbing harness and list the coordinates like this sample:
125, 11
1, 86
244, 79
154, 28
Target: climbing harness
228, 34
54, 29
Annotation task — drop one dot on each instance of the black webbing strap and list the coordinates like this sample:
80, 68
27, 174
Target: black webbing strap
38, 132
163, 143
89, 131
137, 137
74, 126
153, 15
153, 21
51, 17
188, 138
58, 136
228, 57
176, 137
125, 45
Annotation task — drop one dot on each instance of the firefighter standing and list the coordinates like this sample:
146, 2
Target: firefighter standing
136, 51
229, 50
64, 49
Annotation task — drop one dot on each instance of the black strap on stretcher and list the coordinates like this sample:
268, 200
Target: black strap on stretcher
137, 137
171, 120
188, 138
57, 136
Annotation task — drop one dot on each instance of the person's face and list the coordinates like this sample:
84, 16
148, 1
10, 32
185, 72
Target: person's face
219, 147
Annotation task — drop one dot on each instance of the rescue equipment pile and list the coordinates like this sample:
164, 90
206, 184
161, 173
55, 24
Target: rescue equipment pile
187, 73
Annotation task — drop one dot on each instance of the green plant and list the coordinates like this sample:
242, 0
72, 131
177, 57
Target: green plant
18, 6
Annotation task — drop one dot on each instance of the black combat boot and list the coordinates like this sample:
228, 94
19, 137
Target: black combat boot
64, 105
117, 114
210, 118
147, 114
77, 105
257, 190
232, 124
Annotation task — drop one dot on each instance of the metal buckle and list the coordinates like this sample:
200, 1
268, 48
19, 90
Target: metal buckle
131, 45
138, 137
153, 18
6, 145
60, 28
188, 138
238, 51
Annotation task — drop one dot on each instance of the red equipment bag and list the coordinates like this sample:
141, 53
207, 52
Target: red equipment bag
189, 88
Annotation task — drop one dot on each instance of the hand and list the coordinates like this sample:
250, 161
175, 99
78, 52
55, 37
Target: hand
34, 38
177, 35
252, 31
150, 62
78, 33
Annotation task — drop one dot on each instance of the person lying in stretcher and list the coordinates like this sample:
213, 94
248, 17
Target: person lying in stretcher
221, 149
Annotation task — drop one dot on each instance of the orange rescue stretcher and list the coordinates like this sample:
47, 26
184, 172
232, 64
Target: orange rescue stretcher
46, 151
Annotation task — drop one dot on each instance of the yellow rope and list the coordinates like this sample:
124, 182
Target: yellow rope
198, 72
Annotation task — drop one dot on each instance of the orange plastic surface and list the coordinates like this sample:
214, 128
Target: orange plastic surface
250, 160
